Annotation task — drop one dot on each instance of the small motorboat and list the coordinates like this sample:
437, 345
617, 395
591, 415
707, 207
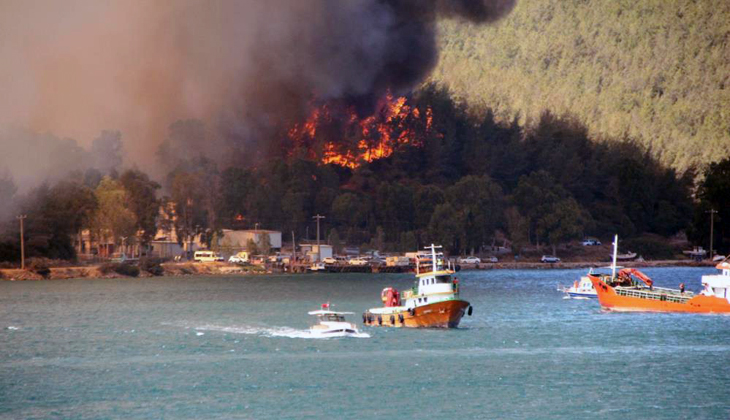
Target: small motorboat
626, 256
582, 289
333, 324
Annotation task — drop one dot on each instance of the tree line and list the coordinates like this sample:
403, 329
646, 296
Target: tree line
469, 182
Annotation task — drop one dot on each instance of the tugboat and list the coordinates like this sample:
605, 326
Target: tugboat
432, 303
333, 324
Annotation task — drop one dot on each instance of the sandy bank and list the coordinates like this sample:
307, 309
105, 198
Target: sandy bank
224, 269
95, 271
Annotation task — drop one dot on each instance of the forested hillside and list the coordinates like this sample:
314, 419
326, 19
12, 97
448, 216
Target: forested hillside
657, 71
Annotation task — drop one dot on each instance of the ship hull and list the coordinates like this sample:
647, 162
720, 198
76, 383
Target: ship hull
610, 300
445, 314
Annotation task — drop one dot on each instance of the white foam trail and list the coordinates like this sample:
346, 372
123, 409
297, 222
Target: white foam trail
13, 328
272, 331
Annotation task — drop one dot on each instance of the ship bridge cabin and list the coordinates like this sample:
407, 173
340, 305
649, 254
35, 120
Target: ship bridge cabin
718, 284
432, 284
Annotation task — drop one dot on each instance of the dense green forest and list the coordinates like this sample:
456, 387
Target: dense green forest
469, 182
653, 70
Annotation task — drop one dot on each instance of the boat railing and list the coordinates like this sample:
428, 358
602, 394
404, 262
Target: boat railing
661, 294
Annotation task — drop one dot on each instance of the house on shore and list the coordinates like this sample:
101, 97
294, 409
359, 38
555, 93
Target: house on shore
310, 252
233, 241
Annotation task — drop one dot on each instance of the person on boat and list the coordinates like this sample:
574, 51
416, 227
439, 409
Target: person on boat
681, 288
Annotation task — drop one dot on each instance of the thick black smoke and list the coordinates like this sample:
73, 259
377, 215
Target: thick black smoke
245, 68
350, 53
354, 51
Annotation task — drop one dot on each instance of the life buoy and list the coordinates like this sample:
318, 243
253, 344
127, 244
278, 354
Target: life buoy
469, 311
392, 320
380, 320
400, 318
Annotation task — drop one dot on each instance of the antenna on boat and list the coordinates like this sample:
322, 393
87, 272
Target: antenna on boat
615, 252
433, 257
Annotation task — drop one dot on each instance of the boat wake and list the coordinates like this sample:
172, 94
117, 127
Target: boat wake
284, 332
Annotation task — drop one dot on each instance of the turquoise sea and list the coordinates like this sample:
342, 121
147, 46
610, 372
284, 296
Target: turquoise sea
235, 347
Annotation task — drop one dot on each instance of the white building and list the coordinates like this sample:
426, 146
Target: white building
233, 241
311, 251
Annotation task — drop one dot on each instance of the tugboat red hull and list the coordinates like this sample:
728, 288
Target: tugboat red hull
444, 314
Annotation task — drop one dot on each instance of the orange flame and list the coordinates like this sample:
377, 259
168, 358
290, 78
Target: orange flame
377, 136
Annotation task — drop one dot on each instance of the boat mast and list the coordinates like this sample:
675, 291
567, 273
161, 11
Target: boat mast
615, 252
433, 257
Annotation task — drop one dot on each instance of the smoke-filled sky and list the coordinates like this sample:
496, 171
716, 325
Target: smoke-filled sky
76, 67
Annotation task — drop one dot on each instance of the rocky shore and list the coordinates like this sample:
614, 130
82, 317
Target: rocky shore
223, 269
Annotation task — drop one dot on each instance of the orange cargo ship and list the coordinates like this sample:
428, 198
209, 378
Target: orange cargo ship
624, 293
433, 303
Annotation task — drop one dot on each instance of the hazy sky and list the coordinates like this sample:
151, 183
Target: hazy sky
76, 67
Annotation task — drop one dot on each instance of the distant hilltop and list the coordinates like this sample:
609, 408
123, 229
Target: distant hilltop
654, 71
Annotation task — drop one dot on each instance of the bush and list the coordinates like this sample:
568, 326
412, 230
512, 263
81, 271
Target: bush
127, 270
124, 269
152, 266
39, 266
649, 247
107, 268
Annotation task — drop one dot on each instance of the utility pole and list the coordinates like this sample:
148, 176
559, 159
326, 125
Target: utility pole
319, 250
293, 257
124, 249
255, 227
22, 241
712, 228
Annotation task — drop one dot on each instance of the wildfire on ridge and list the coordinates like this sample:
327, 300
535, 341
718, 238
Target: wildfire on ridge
348, 140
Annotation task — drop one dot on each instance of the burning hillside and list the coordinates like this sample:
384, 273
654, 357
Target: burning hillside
337, 135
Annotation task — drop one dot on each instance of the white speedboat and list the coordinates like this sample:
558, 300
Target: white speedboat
582, 289
333, 324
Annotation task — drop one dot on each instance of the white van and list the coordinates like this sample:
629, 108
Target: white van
207, 256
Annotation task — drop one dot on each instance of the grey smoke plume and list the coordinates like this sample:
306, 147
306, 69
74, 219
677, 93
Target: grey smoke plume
78, 67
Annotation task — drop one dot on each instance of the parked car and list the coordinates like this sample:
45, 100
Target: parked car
591, 242
240, 258
376, 261
492, 259
329, 260
357, 261
469, 260
549, 259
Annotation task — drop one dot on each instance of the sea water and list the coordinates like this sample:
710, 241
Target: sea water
238, 347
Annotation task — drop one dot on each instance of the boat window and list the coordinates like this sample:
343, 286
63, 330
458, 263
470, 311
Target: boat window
443, 279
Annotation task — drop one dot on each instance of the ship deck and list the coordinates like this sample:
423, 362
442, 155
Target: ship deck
657, 293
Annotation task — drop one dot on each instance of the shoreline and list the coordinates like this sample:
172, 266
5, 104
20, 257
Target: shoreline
184, 269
